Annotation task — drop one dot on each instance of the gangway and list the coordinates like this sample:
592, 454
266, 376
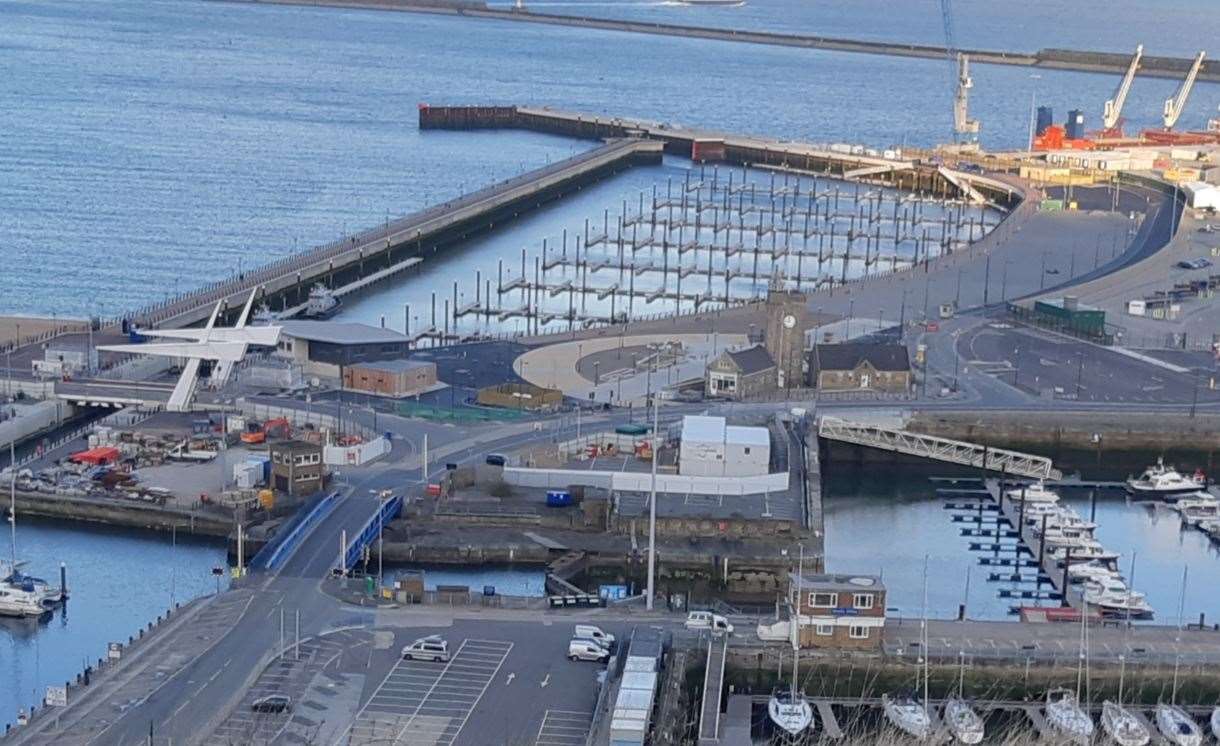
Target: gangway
1012, 463
713, 682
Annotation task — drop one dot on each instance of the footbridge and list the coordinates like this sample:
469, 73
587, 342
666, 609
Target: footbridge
1013, 463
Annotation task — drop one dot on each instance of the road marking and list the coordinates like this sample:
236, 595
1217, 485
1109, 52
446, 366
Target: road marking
546, 680
510, 678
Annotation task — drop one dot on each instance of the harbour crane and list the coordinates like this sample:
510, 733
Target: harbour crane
1174, 106
963, 126
1112, 116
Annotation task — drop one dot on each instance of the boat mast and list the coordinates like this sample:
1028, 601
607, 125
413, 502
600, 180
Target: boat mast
924, 630
1122, 658
795, 623
12, 496
1177, 659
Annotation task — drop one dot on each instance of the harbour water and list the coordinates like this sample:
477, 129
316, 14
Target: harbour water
247, 131
119, 581
885, 521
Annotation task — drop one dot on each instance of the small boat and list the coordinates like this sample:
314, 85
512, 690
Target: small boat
1163, 482
963, 722
1196, 515
1083, 551
1177, 727
1216, 722
792, 715
322, 303
1064, 714
907, 714
1033, 493
1122, 726
1195, 500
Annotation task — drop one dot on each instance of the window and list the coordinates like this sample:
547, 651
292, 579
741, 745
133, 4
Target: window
747, 450
863, 601
822, 600
859, 632
826, 630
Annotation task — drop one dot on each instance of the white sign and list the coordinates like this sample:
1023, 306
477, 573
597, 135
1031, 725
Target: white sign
57, 696
114, 651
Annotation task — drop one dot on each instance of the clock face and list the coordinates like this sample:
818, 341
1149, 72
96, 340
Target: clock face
789, 321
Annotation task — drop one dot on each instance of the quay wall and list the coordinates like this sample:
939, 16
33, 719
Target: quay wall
127, 514
1061, 59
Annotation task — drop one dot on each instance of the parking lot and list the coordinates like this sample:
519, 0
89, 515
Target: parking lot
429, 702
564, 728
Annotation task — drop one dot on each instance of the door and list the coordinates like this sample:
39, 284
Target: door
864, 380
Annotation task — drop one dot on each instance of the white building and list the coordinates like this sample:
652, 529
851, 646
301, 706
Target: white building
711, 448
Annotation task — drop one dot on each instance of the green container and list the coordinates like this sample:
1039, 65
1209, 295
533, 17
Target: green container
370, 585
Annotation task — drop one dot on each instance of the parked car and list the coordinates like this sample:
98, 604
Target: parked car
597, 634
700, 620
427, 649
1199, 263
587, 650
496, 459
272, 703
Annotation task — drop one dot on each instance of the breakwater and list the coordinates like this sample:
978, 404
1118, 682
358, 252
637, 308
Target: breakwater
1058, 59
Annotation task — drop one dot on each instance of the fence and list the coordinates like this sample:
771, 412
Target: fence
305, 419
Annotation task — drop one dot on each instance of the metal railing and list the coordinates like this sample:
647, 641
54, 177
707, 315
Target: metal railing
1013, 463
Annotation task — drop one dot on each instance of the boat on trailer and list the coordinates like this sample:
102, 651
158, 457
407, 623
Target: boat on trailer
1065, 715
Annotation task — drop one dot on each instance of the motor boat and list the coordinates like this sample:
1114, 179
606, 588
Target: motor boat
908, 715
1123, 727
1033, 512
1177, 727
1198, 499
1091, 570
1032, 493
791, 715
1196, 515
1065, 536
25, 596
322, 303
1082, 551
1161, 482
1064, 714
963, 722
1113, 598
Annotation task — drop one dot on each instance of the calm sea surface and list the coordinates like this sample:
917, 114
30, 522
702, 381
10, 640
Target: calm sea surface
151, 146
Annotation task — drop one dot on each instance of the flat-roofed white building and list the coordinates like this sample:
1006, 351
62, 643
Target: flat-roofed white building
712, 448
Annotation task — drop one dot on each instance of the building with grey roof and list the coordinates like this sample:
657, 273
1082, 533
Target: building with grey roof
859, 366
325, 348
740, 374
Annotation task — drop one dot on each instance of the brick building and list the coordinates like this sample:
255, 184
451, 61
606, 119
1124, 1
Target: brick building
857, 366
841, 611
740, 374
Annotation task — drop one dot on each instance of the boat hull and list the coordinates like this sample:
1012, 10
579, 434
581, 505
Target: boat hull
1123, 727
1177, 727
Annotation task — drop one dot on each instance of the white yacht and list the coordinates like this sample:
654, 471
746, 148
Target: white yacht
1082, 551
963, 721
1163, 482
322, 303
908, 715
1177, 727
1114, 599
1032, 493
1122, 726
1216, 723
1033, 512
1092, 570
1064, 714
22, 595
1197, 499
1194, 516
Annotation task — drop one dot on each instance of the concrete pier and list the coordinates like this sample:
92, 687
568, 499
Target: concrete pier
390, 248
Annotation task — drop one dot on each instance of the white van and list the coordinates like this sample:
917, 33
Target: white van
427, 649
700, 620
587, 650
597, 634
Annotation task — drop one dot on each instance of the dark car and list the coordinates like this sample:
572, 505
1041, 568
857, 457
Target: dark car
272, 703
1199, 263
496, 459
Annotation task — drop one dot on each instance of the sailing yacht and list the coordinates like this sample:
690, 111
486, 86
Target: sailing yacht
788, 708
1122, 726
1065, 715
1216, 722
963, 721
1177, 727
1163, 482
907, 712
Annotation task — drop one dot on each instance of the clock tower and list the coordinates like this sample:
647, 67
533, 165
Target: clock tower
787, 321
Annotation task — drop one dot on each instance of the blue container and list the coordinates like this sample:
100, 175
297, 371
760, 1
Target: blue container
1075, 125
1046, 117
558, 498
